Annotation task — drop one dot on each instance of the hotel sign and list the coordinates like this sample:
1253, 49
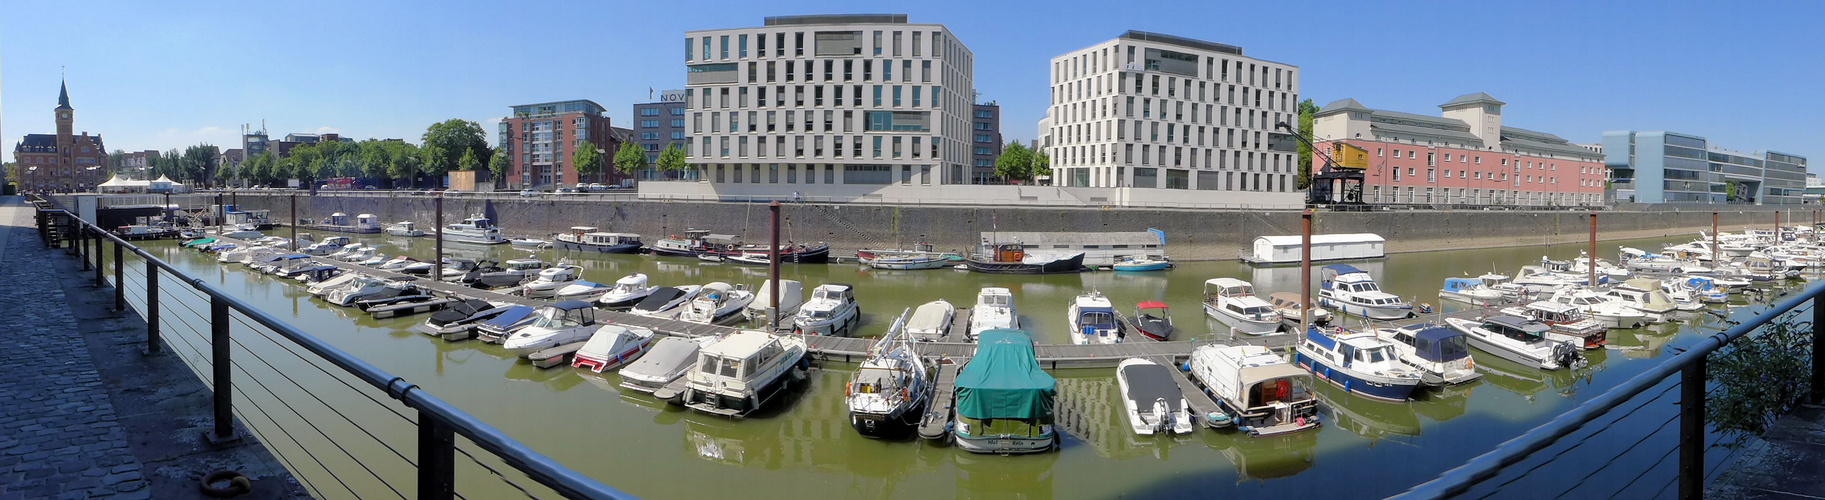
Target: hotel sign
671, 96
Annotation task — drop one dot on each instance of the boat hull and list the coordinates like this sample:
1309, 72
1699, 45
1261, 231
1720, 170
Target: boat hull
1360, 384
1371, 312
1072, 265
886, 425
819, 255
1247, 326
1004, 445
1155, 266
621, 248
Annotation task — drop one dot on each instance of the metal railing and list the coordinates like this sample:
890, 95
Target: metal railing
1690, 365
230, 322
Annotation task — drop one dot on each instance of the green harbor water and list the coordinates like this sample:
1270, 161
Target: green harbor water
803, 446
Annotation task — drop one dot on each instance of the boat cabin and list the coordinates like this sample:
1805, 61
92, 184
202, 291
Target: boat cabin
526, 264
1461, 284
1434, 343
839, 292
1349, 350
1515, 327
739, 356
1554, 313
1099, 248
1348, 279
995, 297
1270, 250
1095, 315
566, 314
1228, 291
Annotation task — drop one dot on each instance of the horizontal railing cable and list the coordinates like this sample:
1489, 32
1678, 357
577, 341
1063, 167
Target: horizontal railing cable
281, 345
295, 441
308, 422
496, 473
313, 395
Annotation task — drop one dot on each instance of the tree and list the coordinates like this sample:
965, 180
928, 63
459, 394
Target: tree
376, 158
630, 158
446, 142
468, 162
12, 171
258, 169
1042, 164
116, 160
672, 158
1015, 162
1729, 191
198, 164
403, 160
587, 160
1306, 109
498, 165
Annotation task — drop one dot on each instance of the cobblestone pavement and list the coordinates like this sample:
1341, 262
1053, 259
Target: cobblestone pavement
59, 434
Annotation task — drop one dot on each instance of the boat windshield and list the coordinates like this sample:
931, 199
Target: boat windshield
1097, 318
995, 300
1453, 347
1258, 310
555, 319
872, 380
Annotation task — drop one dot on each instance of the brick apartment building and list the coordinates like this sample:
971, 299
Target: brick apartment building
542, 140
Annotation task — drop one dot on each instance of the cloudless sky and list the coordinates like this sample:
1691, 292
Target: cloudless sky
162, 75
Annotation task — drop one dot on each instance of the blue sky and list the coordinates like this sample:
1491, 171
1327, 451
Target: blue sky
161, 75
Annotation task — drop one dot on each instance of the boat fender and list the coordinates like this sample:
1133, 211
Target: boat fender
1346, 386
902, 393
849, 389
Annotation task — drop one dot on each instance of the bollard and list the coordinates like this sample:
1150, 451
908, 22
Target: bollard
120, 279
152, 340
1692, 430
223, 432
436, 458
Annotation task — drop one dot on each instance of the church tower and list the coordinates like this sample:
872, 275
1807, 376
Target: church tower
66, 125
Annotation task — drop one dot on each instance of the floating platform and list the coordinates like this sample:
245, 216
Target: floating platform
1195, 397
554, 356
936, 424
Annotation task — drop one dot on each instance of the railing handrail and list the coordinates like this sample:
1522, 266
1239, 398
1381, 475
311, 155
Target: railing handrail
1483, 467
541, 468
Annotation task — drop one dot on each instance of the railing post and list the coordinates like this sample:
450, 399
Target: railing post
97, 253
82, 245
436, 458
120, 281
223, 432
1818, 349
152, 339
1692, 430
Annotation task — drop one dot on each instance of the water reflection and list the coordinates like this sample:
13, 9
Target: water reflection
1369, 418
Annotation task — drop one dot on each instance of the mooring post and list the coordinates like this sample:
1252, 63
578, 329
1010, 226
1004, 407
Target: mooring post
437, 263
1716, 258
1692, 430
152, 340
1305, 270
221, 215
1593, 256
436, 458
120, 279
773, 263
1777, 227
223, 432
293, 224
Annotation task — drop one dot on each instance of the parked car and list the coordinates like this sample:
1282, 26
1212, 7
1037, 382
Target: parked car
528, 192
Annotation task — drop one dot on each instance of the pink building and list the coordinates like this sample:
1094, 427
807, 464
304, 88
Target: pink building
1463, 157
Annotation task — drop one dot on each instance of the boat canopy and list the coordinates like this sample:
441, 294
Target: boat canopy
1004, 380
1151, 304
636, 279
1252, 375
1342, 269
1458, 284
1440, 344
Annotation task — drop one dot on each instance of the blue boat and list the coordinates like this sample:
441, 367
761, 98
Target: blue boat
1141, 263
1359, 362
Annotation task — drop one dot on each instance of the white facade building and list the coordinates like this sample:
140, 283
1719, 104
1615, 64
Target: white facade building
1148, 110
828, 104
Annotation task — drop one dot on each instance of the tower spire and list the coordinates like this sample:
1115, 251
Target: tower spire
63, 95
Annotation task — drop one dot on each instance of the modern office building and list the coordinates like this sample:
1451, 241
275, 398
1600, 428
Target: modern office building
657, 124
1671, 167
985, 142
816, 103
254, 142
542, 140
1466, 156
1148, 110
63, 161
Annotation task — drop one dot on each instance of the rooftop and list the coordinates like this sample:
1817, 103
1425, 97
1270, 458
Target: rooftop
1190, 43
811, 19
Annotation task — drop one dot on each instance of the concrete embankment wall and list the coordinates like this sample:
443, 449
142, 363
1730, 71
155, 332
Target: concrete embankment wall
1191, 234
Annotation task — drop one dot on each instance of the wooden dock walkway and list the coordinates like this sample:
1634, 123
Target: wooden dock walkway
937, 421
1200, 402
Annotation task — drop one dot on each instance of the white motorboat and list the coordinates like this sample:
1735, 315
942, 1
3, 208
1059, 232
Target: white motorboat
1471, 291
345, 251
791, 296
931, 321
557, 324
665, 302
1092, 320
742, 372
1359, 362
397, 263
612, 347
1569, 324
376, 260
323, 287
716, 303
404, 228
1353, 291
668, 359
328, 246
1609, 310
1685, 298
1521, 341
1440, 354
1537, 280
832, 310
361, 289
1233, 302
1257, 391
1644, 295
1703, 288
994, 311
584, 290
627, 291
1287, 304
551, 279
888, 393
465, 316
476, 229
1152, 398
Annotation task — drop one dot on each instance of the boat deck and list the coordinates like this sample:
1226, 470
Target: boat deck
937, 421
1200, 402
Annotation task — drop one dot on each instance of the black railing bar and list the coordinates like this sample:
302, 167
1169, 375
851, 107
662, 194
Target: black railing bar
294, 440
1625, 451
497, 473
307, 361
1487, 465
313, 395
312, 424
535, 465
1581, 442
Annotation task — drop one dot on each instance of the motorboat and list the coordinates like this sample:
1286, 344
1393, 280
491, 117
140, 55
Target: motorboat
1537, 280
627, 291
557, 324
1644, 295
1684, 298
832, 310
375, 261
424, 268
716, 303
461, 317
674, 246
1233, 302
476, 229
551, 279
902, 260
198, 242
1703, 288
887, 395
742, 372
1140, 263
1359, 362
1153, 319
612, 347
529, 242
361, 289
1471, 291
1153, 400
586, 238
323, 287
345, 251
584, 290
1609, 310
931, 321
789, 253
359, 255
1092, 320
1353, 291
1287, 304
1569, 324
328, 246
1013, 258
994, 311
1441, 355
1645, 262
665, 302
396, 263
510, 273
504, 324
278, 261
1520, 340
1255, 389
665, 362
404, 228
395, 294
309, 270
791, 296
1004, 399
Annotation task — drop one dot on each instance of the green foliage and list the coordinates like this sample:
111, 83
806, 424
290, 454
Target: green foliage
1730, 191
403, 160
116, 160
1759, 377
258, 169
587, 160
1015, 162
375, 158
468, 162
499, 163
672, 158
12, 170
629, 158
448, 141
1042, 163
1306, 109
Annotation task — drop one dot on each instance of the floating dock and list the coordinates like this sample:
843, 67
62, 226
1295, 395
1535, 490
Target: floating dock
937, 421
1200, 402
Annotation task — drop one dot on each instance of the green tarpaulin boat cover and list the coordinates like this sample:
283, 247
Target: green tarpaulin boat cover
1003, 380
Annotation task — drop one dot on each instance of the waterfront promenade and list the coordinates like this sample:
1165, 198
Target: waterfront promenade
87, 415
1787, 462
